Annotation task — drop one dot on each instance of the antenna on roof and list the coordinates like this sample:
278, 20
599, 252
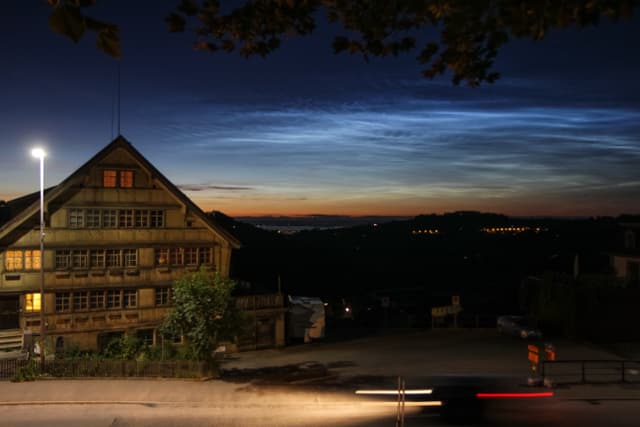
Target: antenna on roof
119, 98
113, 111
115, 104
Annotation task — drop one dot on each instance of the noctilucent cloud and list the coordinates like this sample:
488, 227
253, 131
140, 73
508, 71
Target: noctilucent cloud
307, 132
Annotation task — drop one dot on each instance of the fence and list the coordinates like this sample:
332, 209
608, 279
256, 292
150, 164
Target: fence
591, 371
110, 368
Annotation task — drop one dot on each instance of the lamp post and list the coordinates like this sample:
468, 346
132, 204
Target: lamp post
40, 154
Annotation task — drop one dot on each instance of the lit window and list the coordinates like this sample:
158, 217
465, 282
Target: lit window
93, 218
126, 179
130, 257
109, 178
32, 302
13, 260
129, 298
63, 260
32, 259
63, 301
162, 256
76, 218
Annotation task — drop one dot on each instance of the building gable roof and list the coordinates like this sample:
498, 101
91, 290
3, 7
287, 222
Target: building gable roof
21, 212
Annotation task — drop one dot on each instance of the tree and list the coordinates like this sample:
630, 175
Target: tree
461, 36
204, 312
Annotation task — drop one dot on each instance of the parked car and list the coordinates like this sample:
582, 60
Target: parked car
517, 326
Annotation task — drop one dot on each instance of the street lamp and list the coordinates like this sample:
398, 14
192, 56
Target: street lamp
40, 154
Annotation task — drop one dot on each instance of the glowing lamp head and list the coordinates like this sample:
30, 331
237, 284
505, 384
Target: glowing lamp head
38, 153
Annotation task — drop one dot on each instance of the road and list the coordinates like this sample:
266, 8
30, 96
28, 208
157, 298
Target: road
564, 413
313, 385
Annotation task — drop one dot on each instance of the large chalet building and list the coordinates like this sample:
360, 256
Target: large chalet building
118, 234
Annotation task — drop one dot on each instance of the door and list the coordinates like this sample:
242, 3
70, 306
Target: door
10, 312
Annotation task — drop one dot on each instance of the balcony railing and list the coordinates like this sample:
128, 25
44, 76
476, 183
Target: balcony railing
259, 302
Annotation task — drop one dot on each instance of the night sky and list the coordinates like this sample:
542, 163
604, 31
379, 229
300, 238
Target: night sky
305, 131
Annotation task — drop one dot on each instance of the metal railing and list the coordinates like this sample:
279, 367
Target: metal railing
580, 371
259, 302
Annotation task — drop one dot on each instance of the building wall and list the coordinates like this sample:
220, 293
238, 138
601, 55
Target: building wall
181, 229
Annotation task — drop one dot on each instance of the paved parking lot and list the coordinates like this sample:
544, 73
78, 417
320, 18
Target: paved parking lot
413, 353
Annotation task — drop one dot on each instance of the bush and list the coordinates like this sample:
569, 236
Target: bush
28, 372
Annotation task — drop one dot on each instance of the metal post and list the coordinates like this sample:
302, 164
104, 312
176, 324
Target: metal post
623, 378
43, 325
584, 378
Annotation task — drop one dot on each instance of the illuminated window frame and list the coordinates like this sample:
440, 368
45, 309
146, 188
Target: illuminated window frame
109, 179
126, 179
13, 260
32, 259
32, 302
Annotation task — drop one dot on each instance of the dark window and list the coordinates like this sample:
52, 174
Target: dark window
163, 296
76, 218
113, 258
191, 256
80, 258
109, 218
129, 298
114, 299
204, 256
176, 256
63, 260
157, 218
93, 218
130, 257
125, 218
63, 301
141, 218
96, 258
80, 301
96, 300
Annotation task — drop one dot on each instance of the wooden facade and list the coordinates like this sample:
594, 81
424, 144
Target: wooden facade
118, 234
